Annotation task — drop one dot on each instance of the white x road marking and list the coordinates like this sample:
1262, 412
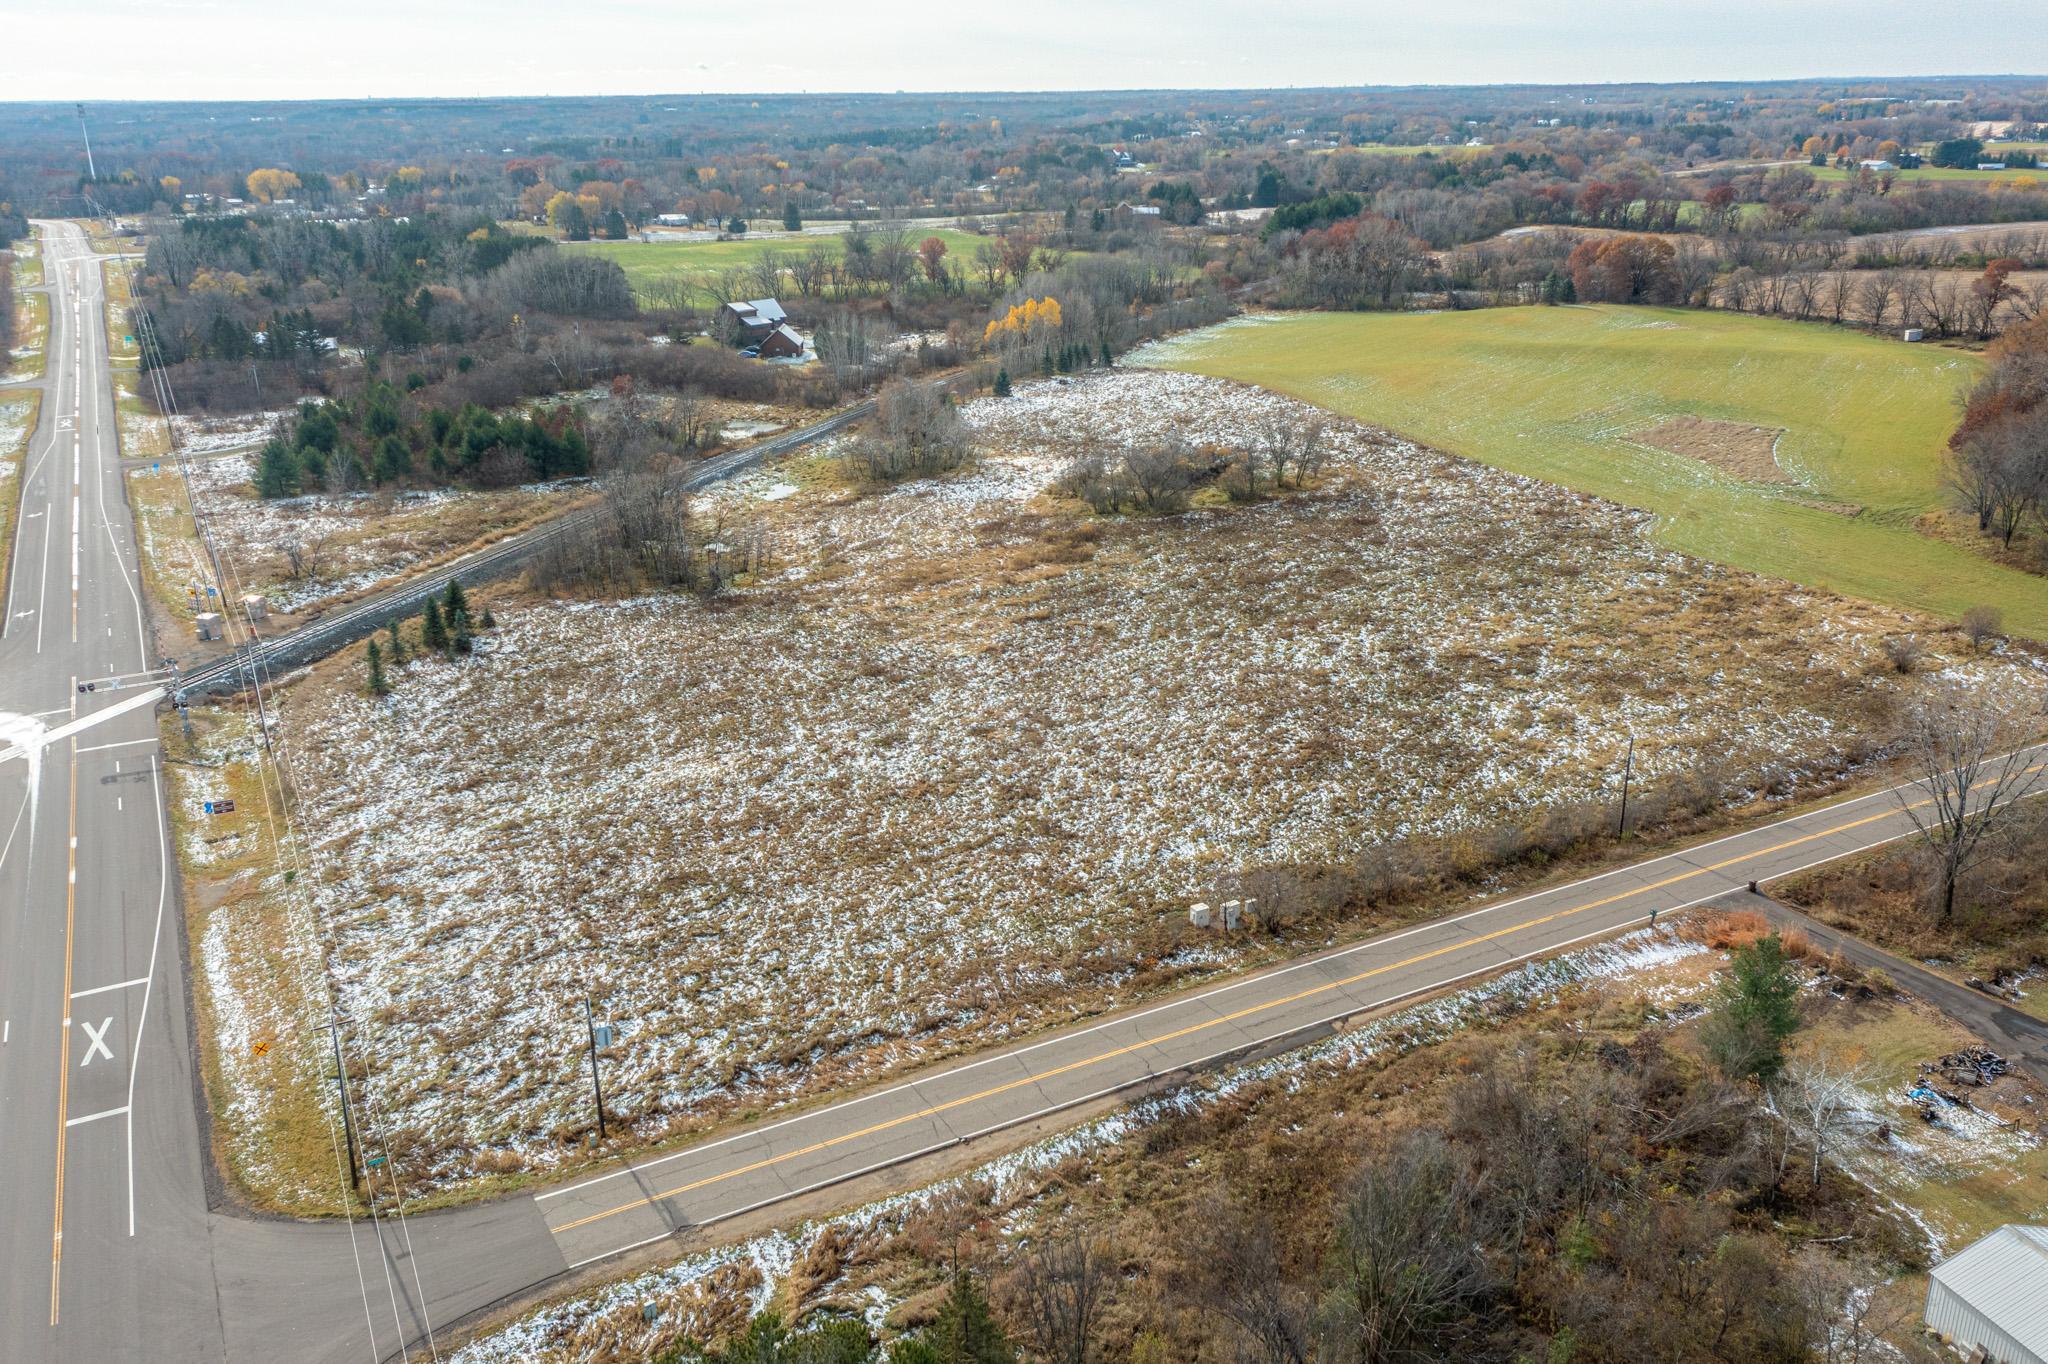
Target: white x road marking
97, 1037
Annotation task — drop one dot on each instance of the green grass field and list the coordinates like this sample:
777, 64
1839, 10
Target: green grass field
1928, 174
645, 262
1397, 149
1558, 393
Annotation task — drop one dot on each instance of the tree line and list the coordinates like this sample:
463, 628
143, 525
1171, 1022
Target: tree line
1998, 457
378, 438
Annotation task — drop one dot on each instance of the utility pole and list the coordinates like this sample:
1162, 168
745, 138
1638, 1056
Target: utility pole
348, 1133
91, 173
596, 1084
1627, 767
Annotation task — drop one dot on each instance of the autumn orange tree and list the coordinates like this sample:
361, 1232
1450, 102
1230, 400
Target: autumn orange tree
1626, 269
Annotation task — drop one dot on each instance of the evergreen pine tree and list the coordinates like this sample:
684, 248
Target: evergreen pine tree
277, 472
792, 220
433, 633
1045, 363
455, 612
397, 643
1002, 388
1107, 359
965, 1331
394, 461
375, 657
1756, 1007
489, 621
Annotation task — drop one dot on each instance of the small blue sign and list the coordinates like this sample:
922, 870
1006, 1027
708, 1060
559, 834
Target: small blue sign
210, 592
209, 807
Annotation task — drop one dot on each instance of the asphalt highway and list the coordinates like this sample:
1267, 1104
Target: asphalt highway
102, 1203
111, 1246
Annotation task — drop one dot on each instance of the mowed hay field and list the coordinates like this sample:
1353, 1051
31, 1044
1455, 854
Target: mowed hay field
647, 262
1567, 394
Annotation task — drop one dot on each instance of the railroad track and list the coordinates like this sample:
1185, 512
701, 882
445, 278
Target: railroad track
264, 658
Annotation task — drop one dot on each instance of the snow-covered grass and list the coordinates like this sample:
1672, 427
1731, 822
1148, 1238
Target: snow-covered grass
702, 1294
1980, 1164
344, 543
204, 435
266, 1053
957, 763
17, 422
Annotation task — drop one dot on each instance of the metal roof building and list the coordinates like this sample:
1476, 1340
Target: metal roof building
1994, 1294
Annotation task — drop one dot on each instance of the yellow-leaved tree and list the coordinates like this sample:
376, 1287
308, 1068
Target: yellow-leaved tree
270, 184
1032, 320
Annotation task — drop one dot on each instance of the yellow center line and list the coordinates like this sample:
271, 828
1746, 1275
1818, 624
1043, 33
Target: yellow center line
1247, 1012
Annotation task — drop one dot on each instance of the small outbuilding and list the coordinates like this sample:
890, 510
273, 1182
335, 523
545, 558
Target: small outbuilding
1990, 1300
781, 344
209, 625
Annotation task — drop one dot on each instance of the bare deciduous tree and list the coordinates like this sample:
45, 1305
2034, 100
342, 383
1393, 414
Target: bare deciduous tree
1962, 750
1407, 1266
305, 555
1237, 1275
1062, 1285
1819, 1098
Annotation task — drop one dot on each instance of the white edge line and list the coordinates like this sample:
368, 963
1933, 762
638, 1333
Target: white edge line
163, 891
117, 985
1198, 1062
1108, 1090
1255, 978
95, 1117
121, 743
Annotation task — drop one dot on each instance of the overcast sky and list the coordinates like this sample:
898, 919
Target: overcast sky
326, 49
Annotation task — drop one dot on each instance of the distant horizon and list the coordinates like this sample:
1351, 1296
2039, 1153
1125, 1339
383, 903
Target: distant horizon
90, 102
515, 49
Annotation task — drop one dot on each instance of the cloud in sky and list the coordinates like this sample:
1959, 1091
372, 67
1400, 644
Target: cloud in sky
318, 49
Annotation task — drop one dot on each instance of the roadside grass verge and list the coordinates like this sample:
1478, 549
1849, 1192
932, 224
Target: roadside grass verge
19, 409
142, 429
28, 262
172, 561
122, 349
263, 1043
31, 333
1563, 393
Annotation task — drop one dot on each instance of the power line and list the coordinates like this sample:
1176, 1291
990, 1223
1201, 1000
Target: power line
289, 848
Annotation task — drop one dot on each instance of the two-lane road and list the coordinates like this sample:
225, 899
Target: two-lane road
658, 1197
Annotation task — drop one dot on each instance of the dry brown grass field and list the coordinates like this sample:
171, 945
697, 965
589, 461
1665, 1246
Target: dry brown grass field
953, 766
